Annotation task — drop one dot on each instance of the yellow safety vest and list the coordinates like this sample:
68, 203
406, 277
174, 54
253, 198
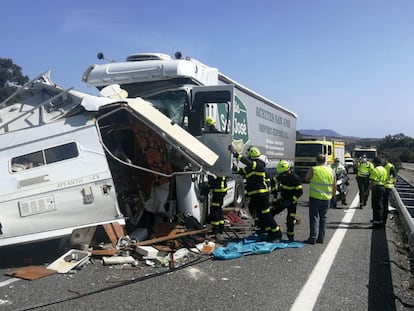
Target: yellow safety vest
379, 175
390, 178
320, 186
364, 169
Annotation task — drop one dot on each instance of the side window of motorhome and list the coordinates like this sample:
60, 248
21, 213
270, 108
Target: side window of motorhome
45, 156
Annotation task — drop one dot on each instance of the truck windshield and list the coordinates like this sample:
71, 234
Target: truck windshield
307, 150
171, 103
369, 153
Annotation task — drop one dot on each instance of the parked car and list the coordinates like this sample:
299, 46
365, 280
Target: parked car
349, 164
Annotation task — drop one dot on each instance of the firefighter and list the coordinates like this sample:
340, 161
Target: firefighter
210, 125
258, 191
389, 185
290, 188
364, 169
218, 186
378, 178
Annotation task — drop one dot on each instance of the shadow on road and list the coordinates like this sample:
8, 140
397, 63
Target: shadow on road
31, 254
380, 286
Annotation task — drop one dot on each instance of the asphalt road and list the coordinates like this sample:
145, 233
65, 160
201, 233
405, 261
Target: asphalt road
357, 268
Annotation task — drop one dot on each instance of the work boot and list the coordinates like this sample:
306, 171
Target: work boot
311, 241
291, 238
220, 229
274, 237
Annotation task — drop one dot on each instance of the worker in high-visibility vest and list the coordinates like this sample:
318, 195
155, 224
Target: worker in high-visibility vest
364, 169
389, 185
378, 178
322, 188
257, 187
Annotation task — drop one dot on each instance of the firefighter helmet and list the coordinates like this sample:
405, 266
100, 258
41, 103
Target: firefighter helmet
210, 121
282, 167
253, 152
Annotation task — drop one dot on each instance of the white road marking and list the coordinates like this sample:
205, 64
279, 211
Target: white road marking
310, 291
8, 282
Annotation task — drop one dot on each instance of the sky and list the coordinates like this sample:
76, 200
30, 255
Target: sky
347, 66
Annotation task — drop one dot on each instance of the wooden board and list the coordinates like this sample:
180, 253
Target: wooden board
104, 252
114, 231
172, 237
30, 272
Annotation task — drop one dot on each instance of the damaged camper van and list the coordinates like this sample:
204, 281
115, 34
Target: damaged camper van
137, 153
70, 160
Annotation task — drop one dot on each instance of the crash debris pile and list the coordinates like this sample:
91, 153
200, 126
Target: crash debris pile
170, 245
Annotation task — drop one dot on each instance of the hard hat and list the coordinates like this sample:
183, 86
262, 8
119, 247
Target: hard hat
282, 166
254, 152
210, 121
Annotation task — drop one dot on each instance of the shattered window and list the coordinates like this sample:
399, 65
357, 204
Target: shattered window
27, 161
46, 156
172, 104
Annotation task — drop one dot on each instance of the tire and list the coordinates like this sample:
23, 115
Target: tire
239, 195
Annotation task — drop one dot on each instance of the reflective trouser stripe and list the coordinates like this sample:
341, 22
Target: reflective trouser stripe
272, 230
266, 211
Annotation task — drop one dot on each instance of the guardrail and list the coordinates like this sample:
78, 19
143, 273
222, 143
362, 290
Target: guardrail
403, 194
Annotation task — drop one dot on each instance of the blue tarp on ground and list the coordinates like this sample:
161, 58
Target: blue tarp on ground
250, 246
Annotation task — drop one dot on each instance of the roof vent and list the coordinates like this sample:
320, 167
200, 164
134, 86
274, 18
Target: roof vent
147, 56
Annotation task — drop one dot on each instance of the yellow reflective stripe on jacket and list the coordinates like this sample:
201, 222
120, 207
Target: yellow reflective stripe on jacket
258, 191
320, 186
261, 174
291, 187
220, 190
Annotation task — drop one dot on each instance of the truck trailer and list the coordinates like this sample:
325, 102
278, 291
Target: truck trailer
138, 153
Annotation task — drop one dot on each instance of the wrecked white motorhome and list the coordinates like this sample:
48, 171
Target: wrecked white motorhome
70, 160
138, 154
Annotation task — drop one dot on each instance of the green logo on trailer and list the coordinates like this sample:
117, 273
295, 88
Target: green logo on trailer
241, 130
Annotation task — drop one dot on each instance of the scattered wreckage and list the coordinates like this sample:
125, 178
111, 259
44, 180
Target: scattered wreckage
114, 167
70, 160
